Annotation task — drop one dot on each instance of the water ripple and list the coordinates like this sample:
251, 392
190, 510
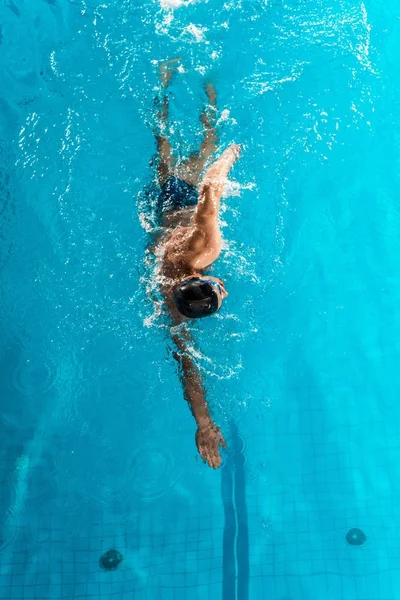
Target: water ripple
34, 376
153, 472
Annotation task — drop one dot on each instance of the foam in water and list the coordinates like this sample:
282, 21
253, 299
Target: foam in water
198, 33
174, 4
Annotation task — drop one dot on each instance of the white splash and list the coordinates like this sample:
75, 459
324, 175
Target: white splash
174, 4
233, 188
226, 117
196, 32
362, 47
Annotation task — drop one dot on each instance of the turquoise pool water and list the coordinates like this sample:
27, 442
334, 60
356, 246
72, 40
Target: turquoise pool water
97, 444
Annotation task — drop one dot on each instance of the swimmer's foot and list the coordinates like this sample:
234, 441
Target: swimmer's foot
209, 115
167, 69
208, 440
211, 94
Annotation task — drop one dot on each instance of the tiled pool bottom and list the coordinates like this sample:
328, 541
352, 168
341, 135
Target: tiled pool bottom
244, 537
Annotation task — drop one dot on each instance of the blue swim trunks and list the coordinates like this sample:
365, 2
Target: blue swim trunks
176, 194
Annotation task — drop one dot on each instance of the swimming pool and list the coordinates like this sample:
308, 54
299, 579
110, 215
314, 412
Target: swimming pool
97, 445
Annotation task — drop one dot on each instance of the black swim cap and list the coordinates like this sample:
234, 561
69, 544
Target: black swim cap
196, 298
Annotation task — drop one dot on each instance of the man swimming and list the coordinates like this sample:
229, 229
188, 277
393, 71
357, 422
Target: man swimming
190, 241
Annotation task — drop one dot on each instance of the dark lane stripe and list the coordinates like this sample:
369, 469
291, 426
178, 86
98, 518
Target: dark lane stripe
242, 547
228, 546
233, 489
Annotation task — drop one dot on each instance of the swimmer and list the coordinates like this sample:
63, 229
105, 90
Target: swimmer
190, 241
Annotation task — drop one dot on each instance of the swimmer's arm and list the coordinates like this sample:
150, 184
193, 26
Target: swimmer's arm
191, 382
205, 216
208, 435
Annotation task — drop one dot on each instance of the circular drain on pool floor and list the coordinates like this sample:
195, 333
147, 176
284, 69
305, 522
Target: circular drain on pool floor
356, 537
111, 560
153, 472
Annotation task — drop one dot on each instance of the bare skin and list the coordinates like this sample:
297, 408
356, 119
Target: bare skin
189, 243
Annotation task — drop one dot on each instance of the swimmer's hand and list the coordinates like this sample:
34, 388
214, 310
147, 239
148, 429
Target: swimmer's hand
208, 440
236, 150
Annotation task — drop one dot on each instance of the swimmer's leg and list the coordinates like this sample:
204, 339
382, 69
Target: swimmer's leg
166, 159
191, 170
208, 118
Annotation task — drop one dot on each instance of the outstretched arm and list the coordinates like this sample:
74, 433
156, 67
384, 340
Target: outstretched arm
208, 435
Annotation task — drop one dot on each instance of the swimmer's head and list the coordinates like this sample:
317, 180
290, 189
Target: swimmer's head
199, 297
